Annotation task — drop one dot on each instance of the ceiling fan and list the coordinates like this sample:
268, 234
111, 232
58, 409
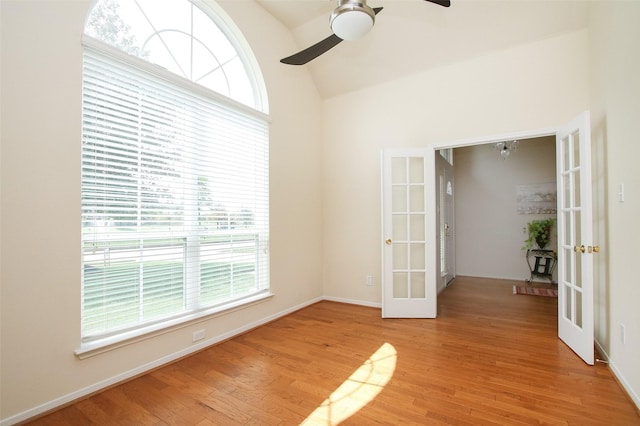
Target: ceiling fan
351, 20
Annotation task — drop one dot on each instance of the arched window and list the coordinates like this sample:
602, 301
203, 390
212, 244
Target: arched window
174, 176
180, 37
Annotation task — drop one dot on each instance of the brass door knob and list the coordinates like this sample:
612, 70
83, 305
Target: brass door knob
581, 249
388, 241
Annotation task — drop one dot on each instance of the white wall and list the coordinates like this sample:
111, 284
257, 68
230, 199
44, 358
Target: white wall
488, 229
324, 230
615, 107
41, 118
535, 86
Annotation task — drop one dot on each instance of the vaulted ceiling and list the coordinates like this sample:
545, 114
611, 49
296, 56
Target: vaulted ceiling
411, 36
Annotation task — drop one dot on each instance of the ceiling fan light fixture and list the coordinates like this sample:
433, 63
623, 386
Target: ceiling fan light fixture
506, 148
352, 20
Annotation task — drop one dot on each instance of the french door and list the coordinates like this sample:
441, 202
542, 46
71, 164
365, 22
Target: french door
575, 245
410, 264
409, 248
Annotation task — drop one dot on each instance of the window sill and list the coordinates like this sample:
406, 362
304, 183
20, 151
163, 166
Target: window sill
97, 347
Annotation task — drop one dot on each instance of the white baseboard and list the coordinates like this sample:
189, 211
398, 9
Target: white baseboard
634, 396
96, 387
618, 375
353, 302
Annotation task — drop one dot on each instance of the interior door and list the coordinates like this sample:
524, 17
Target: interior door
575, 245
446, 225
408, 287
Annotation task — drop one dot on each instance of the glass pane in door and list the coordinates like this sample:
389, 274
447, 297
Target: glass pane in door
576, 188
398, 170
399, 199
418, 285
575, 142
579, 308
416, 198
400, 227
568, 303
400, 256
417, 227
417, 256
408, 222
400, 285
568, 270
578, 268
416, 170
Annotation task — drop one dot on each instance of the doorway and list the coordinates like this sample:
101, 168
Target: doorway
413, 171
494, 202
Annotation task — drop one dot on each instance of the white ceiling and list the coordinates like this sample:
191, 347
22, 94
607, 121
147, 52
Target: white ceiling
410, 36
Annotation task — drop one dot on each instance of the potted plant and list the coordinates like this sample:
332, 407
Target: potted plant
539, 232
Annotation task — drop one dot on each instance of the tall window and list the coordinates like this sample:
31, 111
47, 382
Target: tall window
174, 170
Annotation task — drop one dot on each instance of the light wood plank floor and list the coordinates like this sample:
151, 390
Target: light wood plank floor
491, 358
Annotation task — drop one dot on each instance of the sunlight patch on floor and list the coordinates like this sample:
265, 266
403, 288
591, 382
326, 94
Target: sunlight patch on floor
358, 390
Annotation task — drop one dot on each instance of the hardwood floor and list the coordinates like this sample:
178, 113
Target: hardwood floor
491, 358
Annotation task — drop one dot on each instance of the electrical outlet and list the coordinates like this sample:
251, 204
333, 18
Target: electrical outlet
369, 280
623, 337
198, 335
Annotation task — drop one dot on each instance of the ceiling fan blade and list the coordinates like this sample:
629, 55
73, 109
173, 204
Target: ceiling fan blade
445, 3
310, 53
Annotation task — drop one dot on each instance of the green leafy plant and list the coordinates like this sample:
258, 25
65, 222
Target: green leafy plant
539, 232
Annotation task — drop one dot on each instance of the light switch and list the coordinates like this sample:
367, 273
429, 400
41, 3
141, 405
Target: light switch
621, 192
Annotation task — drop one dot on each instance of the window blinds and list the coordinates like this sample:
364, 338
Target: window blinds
174, 200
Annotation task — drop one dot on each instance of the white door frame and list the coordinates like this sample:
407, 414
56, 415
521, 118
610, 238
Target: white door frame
444, 202
529, 134
432, 183
429, 307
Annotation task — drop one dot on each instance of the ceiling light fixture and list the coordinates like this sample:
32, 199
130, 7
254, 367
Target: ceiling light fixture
352, 20
506, 148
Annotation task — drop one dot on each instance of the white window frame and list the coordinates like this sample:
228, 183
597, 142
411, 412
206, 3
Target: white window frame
92, 344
